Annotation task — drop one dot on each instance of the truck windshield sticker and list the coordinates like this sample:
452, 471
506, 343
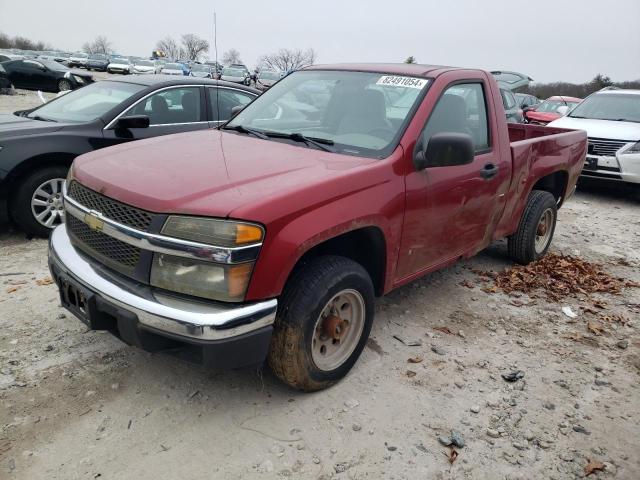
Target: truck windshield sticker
405, 82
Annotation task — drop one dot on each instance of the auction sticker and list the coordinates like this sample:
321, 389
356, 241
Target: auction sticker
399, 81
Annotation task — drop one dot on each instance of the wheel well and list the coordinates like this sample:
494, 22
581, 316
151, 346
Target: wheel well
365, 246
40, 161
554, 183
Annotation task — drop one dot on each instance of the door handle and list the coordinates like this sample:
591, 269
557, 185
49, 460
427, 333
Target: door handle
489, 171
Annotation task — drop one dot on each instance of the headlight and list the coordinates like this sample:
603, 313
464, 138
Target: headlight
216, 281
221, 233
78, 79
227, 283
635, 148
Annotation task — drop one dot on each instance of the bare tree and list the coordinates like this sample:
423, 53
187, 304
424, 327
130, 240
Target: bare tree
410, 59
194, 46
286, 59
22, 43
170, 47
231, 56
101, 44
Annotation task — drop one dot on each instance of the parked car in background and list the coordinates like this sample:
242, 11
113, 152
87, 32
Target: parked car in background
202, 71
526, 101
62, 57
45, 75
38, 145
236, 74
266, 78
78, 59
4, 58
98, 61
550, 109
512, 111
120, 65
174, 69
145, 67
271, 238
611, 118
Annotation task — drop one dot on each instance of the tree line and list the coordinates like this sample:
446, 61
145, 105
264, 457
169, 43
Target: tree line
579, 90
22, 43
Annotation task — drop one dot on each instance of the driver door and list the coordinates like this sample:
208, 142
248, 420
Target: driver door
170, 110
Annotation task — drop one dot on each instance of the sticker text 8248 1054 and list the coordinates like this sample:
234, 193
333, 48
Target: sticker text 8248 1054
399, 81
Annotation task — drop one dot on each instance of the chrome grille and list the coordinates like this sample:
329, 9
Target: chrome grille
605, 147
119, 212
108, 250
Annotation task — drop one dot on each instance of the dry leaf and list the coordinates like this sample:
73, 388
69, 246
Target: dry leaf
595, 328
467, 283
13, 289
416, 359
45, 281
443, 330
453, 454
592, 466
411, 373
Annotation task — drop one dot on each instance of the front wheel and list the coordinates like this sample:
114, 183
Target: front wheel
535, 231
323, 323
64, 85
36, 205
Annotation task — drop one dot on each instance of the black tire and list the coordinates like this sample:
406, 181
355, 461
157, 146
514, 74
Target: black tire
20, 201
522, 244
62, 83
302, 302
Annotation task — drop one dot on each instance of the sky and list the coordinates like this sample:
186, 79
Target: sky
549, 40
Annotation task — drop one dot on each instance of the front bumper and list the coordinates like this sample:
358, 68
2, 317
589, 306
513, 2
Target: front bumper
213, 334
621, 168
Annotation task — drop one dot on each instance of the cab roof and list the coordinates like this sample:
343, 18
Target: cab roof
409, 69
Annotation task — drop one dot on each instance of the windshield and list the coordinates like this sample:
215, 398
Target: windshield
52, 65
80, 55
551, 106
358, 113
88, 103
233, 72
269, 76
609, 106
200, 68
146, 63
173, 66
120, 60
98, 56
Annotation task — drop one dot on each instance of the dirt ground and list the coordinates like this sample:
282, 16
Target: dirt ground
77, 404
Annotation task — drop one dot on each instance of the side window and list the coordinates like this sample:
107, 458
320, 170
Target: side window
508, 101
461, 109
31, 65
174, 105
222, 101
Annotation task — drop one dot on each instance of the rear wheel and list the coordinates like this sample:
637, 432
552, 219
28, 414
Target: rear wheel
64, 85
323, 323
37, 205
535, 231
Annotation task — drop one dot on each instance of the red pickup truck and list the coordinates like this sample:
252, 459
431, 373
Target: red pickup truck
270, 237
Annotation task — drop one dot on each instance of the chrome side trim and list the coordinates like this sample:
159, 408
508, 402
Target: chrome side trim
172, 314
112, 122
161, 243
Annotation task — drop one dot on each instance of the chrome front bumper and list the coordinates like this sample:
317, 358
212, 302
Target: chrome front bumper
177, 316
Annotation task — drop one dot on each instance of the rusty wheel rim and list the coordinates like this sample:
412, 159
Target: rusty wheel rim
338, 329
544, 231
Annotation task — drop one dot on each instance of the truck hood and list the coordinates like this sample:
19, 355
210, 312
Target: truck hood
601, 128
209, 173
13, 126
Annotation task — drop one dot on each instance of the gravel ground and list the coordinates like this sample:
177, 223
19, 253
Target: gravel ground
80, 404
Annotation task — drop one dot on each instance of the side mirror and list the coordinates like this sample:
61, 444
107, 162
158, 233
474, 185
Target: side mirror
133, 121
562, 110
445, 149
236, 110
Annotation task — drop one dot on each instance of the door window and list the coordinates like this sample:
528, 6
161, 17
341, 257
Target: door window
222, 101
462, 109
508, 100
174, 105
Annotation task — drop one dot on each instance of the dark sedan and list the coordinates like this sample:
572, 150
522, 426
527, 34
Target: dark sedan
46, 75
98, 61
37, 146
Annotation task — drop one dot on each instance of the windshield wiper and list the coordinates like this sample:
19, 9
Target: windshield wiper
42, 119
243, 129
320, 143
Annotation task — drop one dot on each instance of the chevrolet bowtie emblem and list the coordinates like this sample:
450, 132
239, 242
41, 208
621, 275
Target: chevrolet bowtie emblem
93, 220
